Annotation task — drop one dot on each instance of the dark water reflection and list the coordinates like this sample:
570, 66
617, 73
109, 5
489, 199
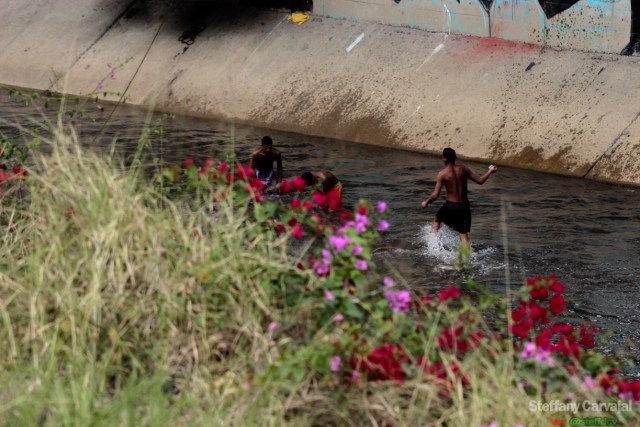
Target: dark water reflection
587, 233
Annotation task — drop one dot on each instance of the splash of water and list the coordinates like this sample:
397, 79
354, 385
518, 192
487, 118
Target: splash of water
443, 246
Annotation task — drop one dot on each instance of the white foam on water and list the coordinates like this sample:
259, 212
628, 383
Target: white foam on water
443, 246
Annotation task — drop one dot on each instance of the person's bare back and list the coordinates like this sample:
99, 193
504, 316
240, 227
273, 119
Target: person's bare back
455, 181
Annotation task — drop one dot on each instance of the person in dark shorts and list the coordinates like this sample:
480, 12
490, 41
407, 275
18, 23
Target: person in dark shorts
262, 161
455, 212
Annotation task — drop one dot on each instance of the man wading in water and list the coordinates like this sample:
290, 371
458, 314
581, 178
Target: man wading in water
262, 162
455, 212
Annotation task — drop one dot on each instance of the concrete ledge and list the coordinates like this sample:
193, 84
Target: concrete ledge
571, 113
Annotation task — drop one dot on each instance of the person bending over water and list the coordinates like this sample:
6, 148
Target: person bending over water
455, 212
328, 184
262, 161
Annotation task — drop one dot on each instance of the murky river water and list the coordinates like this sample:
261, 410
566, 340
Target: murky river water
524, 223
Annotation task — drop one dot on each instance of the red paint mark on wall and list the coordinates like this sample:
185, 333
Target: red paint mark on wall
494, 45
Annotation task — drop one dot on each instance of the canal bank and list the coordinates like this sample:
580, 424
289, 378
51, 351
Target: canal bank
567, 112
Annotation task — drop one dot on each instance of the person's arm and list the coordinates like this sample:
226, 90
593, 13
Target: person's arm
436, 193
279, 172
252, 163
482, 179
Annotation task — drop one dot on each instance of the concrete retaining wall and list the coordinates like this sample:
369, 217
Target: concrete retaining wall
565, 112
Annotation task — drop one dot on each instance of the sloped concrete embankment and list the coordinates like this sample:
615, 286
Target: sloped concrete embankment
564, 112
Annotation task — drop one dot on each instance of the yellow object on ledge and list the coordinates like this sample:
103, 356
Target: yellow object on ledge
298, 18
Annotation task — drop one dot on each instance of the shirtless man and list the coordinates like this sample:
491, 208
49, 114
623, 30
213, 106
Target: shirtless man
455, 212
262, 162
329, 186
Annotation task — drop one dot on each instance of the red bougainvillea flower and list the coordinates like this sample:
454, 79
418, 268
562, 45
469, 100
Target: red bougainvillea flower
298, 183
562, 329
450, 293
279, 228
257, 185
536, 312
307, 206
557, 304
16, 170
362, 210
320, 200
382, 364
255, 193
223, 167
209, 163
345, 215
557, 287
296, 231
519, 314
245, 172
521, 329
539, 293
188, 163
285, 186
295, 204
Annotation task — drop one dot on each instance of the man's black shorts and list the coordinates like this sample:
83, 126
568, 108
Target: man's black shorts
457, 216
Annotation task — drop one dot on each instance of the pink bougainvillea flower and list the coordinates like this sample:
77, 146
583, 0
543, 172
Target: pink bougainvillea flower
298, 183
335, 363
273, 326
338, 317
383, 225
296, 231
322, 269
339, 243
326, 256
357, 250
361, 265
528, 351
399, 302
329, 295
382, 206
388, 282
362, 221
209, 163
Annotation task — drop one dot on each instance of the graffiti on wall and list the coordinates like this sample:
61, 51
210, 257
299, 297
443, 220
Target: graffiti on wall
611, 26
552, 8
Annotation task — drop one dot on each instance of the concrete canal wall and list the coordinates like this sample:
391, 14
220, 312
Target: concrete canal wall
528, 105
